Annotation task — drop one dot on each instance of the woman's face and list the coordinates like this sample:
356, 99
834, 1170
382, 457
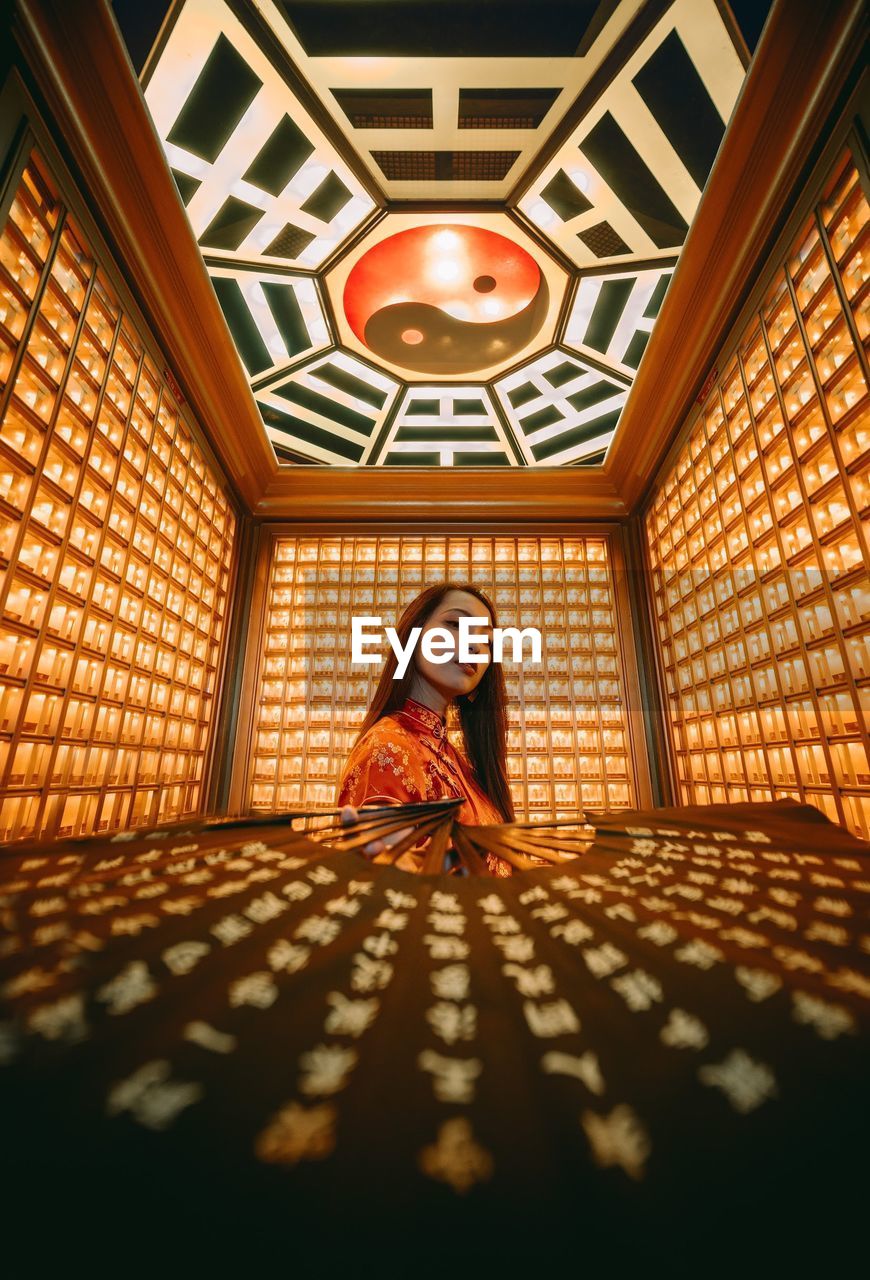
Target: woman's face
452, 679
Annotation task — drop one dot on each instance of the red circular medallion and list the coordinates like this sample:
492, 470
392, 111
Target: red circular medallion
446, 300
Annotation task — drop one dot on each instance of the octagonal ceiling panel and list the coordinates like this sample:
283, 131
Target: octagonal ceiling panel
274, 319
612, 316
448, 100
627, 182
507, 332
259, 179
448, 427
561, 409
458, 296
332, 410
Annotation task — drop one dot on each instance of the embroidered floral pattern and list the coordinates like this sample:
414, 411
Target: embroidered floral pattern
423, 718
406, 758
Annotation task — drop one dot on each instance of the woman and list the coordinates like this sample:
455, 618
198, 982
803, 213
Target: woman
403, 755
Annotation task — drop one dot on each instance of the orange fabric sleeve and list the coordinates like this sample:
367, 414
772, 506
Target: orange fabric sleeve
383, 768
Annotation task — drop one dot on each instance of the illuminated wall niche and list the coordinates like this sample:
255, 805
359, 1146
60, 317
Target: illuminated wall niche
757, 542
115, 550
570, 739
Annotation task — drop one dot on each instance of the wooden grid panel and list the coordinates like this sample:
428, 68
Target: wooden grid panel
115, 548
569, 742
758, 546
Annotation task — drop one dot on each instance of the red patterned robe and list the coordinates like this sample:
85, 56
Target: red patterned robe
407, 758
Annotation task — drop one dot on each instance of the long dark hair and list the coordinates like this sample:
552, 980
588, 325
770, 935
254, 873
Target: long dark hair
483, 721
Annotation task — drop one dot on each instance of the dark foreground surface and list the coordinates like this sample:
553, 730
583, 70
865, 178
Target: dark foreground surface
229, 1047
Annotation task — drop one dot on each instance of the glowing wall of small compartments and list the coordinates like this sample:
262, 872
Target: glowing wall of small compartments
569, 738
758, 547
115, 544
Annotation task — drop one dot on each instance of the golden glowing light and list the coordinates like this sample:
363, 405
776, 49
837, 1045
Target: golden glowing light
445, 269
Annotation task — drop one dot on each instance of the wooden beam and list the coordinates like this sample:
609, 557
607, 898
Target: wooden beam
392, 495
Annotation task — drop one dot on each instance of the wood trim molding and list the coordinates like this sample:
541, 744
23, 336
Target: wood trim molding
652, 689
249, 656
482, 528
800, 66
440, 494
631, 670
802, 63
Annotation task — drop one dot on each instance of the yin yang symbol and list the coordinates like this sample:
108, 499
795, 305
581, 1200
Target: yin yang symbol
446, 300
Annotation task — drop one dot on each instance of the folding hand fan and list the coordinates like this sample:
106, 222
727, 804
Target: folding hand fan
255, 1037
